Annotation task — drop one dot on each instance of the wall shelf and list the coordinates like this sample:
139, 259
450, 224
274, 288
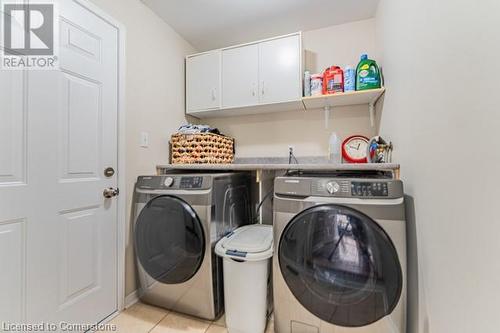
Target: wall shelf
327, 102
342, 99
323, 102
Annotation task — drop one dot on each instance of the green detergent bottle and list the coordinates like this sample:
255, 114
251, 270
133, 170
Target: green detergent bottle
367, 74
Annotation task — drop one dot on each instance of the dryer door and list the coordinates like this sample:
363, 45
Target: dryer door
340, 265
169, 240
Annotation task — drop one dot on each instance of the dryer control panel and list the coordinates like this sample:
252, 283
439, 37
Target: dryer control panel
339, 187
173, 182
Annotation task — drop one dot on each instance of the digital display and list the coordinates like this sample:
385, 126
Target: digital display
191, 182
367, 189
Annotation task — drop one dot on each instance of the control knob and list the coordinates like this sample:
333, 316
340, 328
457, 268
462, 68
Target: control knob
169, 181
332, 187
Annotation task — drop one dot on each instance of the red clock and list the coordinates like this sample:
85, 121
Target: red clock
354, 149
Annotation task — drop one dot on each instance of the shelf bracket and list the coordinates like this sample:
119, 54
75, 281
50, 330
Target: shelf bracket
327, 109
372, 113
371, 107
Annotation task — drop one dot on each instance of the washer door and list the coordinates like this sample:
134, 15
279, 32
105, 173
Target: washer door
340, 265
169, 240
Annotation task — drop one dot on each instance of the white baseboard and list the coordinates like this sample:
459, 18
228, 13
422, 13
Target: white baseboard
131, 299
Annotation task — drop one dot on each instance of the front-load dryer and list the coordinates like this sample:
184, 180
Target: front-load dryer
340, 263
178, 220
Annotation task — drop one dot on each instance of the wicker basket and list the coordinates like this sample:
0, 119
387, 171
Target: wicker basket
201, 148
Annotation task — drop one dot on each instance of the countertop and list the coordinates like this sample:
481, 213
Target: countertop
280, 166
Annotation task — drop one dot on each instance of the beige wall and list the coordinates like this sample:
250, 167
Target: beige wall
155, 93
270, 135
441, 111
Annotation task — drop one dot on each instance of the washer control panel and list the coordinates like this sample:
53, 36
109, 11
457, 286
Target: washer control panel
369, 189
331, 187
191, 182
344, 188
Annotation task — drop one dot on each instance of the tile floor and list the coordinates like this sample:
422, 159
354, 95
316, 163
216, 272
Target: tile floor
143, 318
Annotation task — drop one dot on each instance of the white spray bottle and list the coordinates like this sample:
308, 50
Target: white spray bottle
334, 149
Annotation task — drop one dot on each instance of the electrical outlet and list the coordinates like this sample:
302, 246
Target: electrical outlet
144, 140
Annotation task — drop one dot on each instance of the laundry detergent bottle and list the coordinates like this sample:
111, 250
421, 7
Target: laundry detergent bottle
367, 74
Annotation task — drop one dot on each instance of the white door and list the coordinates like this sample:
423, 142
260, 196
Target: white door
280, 70
58, 132
240, 76
203, 81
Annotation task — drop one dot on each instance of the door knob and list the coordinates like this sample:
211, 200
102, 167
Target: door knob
110, 192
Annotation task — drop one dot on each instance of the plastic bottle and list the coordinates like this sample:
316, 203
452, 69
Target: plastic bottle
333, 80
367, 74
334, 149
316, 84
349, 78
307, 83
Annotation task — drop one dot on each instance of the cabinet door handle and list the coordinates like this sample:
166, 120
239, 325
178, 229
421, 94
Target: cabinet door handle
263, 89
214, 97
254, 92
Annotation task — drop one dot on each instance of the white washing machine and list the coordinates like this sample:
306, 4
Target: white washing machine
178, 220
340, 263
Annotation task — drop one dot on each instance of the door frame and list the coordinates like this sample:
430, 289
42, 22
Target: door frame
121, 175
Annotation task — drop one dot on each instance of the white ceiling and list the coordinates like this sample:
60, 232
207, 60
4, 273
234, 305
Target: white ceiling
210, 24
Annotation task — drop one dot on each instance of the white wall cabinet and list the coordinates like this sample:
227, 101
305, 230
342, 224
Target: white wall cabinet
259, 77
279, 70
240, 76
203, 82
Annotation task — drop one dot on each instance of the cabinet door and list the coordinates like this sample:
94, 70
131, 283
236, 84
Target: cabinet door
240, 74
203, 82
280, 67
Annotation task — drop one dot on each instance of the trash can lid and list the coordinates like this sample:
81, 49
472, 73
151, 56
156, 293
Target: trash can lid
249, 243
